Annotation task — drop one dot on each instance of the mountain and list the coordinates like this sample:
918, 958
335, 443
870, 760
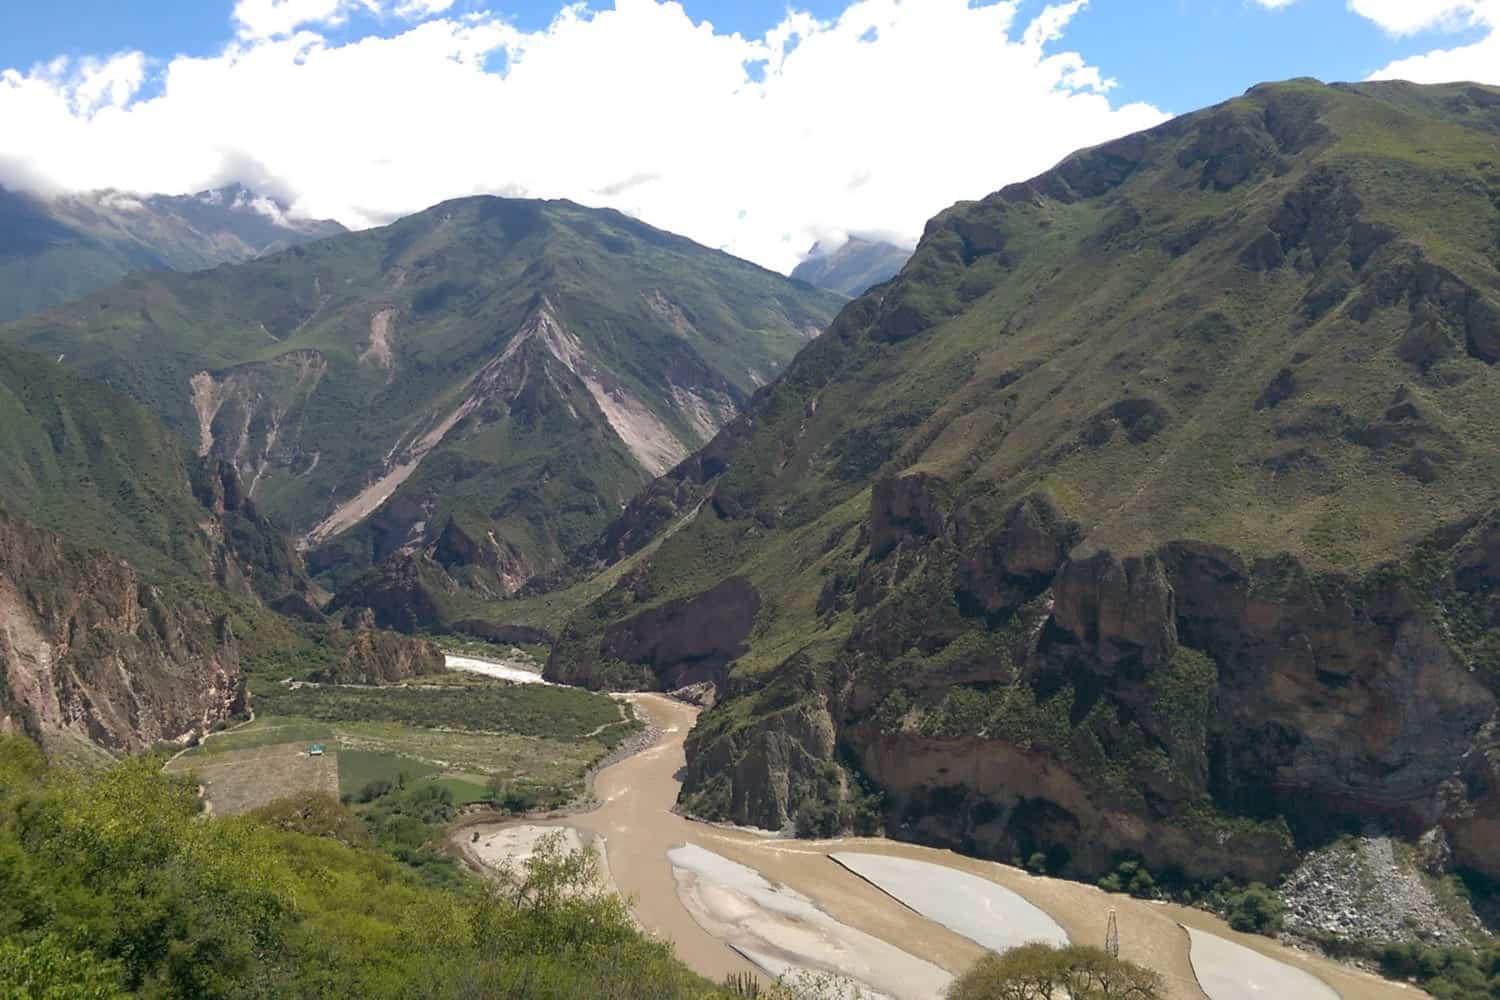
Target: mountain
853, 268
479, 387
1150, 512
56, 250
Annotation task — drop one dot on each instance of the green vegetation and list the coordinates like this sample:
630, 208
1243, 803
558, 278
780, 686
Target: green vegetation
365, 774
1041, 972
1446, 973
85, 461
530, 772
1131, 877
113, 886
523, 709
1256, 910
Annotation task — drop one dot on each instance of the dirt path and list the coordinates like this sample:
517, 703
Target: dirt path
635, 820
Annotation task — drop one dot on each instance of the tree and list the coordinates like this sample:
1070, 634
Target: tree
49, 970
1042, 972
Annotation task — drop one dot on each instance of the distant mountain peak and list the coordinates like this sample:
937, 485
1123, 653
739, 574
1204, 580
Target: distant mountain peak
852, 267
59, 249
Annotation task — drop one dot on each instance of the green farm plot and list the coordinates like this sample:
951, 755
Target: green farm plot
360, 768
464, 792
522, 710
391, 750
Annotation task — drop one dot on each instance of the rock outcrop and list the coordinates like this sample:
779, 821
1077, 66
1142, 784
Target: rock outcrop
378, 657
670, 646
92, 652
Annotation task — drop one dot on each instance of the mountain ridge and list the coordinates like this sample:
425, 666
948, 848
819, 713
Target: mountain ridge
61, 248
517, 368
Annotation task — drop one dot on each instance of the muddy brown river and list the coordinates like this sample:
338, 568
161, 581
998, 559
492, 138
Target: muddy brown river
638, 830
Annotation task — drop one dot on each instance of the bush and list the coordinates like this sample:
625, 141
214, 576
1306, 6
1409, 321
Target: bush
1446, 973
1042, 972
374, 790
1256, 910
1131, 877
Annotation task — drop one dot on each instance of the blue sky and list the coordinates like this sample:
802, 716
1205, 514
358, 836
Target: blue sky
1176, 54
781, 125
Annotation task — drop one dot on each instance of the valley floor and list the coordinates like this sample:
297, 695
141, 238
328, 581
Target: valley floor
787, 904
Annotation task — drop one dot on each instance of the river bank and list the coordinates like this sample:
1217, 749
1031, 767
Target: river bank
635, 821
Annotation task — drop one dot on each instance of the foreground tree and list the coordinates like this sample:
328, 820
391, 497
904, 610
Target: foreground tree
1042, 972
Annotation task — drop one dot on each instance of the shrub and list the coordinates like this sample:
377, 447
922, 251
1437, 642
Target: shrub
1042, 972
1256, 910
1131, 877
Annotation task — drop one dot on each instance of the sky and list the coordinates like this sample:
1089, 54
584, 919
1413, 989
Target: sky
757, 127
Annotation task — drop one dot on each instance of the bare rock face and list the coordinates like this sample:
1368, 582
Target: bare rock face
514, 635
90, 651
1018, 561
248, 554
457, 550
378, 657
759, 777
999, 799
679, 643
908, 506
1117, 609
402, 593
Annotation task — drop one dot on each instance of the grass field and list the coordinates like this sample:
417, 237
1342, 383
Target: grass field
264, 731
464, 792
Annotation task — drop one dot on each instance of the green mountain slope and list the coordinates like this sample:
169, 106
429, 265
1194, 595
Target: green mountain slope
56, 250
1147, 513
510, 370
89, 463
854, 267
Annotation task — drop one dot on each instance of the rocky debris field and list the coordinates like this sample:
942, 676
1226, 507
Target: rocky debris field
1372, 890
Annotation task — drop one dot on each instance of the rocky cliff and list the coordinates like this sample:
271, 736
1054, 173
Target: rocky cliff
1186, 706
91, 651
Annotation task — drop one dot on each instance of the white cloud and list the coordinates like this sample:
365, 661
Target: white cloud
1478, 61
415, 9
1406, 17
1275, 4
273, 18
871, 122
